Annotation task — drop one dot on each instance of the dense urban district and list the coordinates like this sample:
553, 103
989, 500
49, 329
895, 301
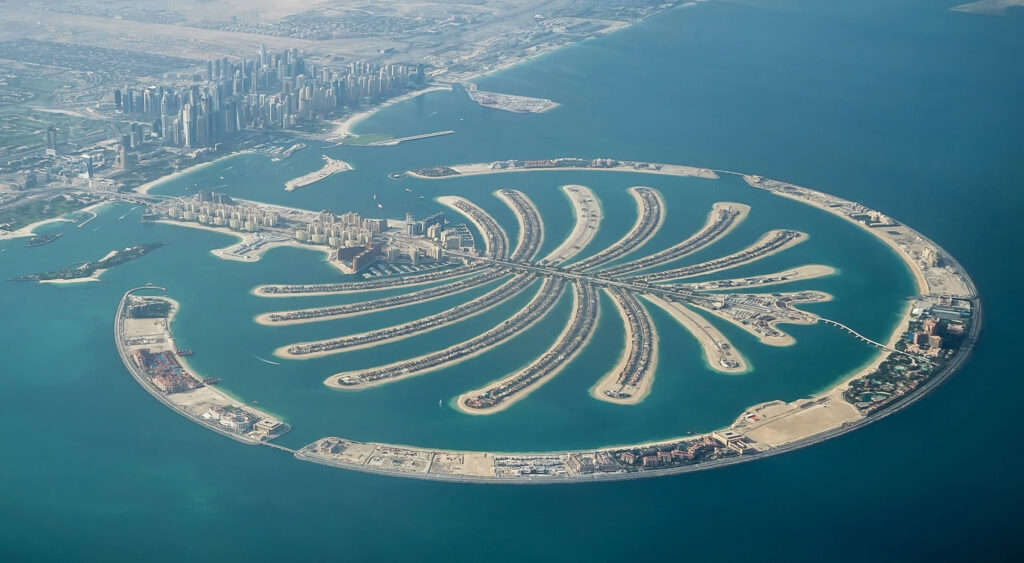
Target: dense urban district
464, 247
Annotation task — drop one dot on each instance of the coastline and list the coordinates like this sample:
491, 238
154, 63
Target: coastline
608, 381
785, 246
343, 129
332, 380
264, 318
144, 188
282, 352
143, 381
449, 201
243, 238
779, 341
634, 191
29, 230
581, 230
705, 333
799, 273
539, 382
484, 168
522, 225
829, 423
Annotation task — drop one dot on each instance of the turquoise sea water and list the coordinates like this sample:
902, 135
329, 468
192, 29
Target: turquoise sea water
911, 109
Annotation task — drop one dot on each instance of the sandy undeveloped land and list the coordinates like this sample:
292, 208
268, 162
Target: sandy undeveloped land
717, 348
800, 273
784, 339
588, 213
606, 255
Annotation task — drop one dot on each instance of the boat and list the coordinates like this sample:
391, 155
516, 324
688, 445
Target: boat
408, 190
440, 402
379, 206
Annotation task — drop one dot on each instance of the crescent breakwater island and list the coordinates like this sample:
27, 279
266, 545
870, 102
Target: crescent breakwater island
933, 338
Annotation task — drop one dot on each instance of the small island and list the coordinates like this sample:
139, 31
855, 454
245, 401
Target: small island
40, 240
90, 270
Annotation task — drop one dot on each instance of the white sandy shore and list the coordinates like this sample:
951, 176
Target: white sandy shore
259, 293
789, 244
800, 273
915, 270
95, 277
264, 318
782, 423
253, 256
449, 200
635, 192
29, 230
585, 228
332, 380
144, 188
609, 382
481, 168
521, 221
706, 334
345, 126
283, 352
523, 393
331, 167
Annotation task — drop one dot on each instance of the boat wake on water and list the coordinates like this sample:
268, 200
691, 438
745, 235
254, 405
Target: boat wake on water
264, 360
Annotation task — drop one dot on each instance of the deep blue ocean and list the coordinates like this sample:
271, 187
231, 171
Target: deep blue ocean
907, 107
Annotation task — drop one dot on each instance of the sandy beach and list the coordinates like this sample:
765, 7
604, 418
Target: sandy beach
243, 238
481, 168
706, 334
283, 352
345, 126
789, 244
915, 270
332, 380
449, 200
259, 289
582, 199
521, 222
639, 392
800, 273
144, 188
29, 230
635, 192
265, 318
520, 395
331, 166
785, 339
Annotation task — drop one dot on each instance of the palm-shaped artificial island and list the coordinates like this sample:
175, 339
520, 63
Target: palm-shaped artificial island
929, 343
